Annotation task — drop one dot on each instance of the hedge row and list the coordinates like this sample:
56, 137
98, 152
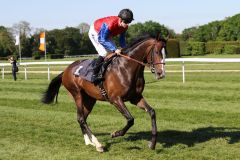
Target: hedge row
173, 48
202, 48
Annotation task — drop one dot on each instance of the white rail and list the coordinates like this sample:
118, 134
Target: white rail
213, 60
182, 60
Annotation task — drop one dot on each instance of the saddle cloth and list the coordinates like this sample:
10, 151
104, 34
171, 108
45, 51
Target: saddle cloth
85, 69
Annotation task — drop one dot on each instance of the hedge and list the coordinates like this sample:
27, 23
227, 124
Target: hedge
173, 48
193, 49
217, 47
56, 56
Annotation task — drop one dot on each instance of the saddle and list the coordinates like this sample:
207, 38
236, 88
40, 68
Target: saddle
85, 68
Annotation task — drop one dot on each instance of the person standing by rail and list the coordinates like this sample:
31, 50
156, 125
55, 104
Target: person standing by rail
14, 67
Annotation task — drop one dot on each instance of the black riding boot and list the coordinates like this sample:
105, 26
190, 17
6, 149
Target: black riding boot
96, 68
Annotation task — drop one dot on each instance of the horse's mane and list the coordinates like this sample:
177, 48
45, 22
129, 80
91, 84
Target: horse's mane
135, 42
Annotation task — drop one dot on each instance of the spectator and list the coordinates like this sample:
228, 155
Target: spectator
14, 67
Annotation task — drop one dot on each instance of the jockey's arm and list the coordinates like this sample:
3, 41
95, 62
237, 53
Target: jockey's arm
122, 40
104, 38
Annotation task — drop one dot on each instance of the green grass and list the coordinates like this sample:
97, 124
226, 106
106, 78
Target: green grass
196, 120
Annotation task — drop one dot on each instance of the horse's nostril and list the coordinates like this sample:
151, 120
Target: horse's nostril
159, 72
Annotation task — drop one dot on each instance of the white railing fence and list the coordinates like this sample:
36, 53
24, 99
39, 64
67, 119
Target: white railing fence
182, 60
26, 64
209, 60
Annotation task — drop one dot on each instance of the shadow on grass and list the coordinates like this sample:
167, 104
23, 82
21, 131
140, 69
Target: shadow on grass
169, 138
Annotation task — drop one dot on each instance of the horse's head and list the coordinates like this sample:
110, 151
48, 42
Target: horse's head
146, 49
156, 57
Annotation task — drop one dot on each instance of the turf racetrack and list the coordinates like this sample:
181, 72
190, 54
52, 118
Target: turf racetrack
196, 120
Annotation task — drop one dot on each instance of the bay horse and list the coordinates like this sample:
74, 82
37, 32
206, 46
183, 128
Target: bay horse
124, 81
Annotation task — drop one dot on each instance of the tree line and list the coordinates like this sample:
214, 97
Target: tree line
68, 41
205, 39
225, 30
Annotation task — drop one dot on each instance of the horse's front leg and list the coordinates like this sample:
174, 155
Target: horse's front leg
141, 103
119, 104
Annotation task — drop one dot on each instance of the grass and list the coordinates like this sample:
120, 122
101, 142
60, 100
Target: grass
196, 120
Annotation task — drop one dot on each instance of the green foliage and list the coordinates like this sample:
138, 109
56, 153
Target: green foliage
152, 28
66, 41
218, 47
70, 40
183, 48
36, 55
225, 30
231, 49
194, 48
6, 43
214, 47
173, 48
56, 56
86, 46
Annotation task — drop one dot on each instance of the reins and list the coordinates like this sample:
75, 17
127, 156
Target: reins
139, 62
132, 59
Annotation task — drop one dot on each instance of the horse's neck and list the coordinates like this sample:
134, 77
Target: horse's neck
139, 53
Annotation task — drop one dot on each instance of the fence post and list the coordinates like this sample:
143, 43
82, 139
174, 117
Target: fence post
48, 72
3, 72
25, 71
183, 72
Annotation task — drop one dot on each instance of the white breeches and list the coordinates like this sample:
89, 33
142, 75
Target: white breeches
93, 35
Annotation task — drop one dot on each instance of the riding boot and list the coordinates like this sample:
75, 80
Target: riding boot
95, 77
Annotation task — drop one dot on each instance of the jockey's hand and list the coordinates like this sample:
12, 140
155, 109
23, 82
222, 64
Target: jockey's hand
118, 51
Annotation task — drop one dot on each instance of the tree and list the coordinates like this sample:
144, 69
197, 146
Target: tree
6, 42
24, 30
83, 27
149, 27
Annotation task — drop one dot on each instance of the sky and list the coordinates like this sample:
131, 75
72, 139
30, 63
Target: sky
58, 14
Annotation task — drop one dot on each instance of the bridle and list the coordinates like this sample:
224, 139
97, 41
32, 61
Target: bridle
150, 64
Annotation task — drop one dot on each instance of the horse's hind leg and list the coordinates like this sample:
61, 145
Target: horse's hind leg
141, 103
130, 120
84, 107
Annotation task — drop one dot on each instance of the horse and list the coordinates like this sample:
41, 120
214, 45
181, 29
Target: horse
124, 81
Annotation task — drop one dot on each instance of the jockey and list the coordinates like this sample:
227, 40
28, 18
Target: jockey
103, 30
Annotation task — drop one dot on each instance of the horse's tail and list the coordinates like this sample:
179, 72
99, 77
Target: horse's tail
53, 89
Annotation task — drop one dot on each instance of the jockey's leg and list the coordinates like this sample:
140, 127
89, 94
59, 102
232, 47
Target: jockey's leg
96, 69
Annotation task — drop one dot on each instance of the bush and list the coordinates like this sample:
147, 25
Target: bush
194, 48
198, 48
214, 47
56, 56
36, 55
218, 47
231, 49
4, 58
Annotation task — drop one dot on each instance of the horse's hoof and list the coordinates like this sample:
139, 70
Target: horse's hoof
100, 149
117, 134
151, 145
113, 134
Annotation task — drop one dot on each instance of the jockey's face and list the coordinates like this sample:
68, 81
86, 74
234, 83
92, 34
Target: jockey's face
123, 24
